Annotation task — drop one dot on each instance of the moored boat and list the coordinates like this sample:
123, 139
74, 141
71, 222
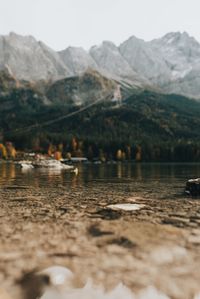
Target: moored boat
51, 163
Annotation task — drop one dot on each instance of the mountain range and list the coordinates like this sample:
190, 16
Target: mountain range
49, 98
170, 64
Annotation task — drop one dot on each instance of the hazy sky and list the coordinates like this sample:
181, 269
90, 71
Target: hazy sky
61, 23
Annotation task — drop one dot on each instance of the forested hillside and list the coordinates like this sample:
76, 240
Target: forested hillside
147, 126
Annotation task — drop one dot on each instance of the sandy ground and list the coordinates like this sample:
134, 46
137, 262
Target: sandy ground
157, 245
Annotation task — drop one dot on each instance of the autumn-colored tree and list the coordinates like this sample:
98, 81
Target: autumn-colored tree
58, 155
3, 151
119, 154
138, 156
11, 151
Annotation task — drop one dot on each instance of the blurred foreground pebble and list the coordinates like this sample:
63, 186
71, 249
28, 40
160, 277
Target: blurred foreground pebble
3, 294
60, 283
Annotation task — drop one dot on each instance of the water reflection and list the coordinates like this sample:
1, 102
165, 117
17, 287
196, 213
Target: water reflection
7, 171
11, 173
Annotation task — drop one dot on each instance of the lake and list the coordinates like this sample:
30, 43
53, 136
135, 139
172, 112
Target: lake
139, 177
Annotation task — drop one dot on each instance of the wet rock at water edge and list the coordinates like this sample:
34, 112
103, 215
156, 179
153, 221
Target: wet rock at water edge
193, 187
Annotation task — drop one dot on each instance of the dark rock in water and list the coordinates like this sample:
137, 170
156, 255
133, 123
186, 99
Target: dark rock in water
124, 242
107, 214
95, 231
33, 285
193, 187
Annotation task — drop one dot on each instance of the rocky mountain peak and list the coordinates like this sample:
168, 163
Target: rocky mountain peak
109, 44
171, 37
112, 64
20, 41
147, 62
77, 60
29, 59
180, 50
177, 40
171, 63
135, 40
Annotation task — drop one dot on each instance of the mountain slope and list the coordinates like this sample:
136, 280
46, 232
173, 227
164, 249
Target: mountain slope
29, 59
180, 51
147, 62
113, 65
165, 126
182, 55
80, 90
77, 60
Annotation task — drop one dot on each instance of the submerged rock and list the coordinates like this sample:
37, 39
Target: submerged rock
123, 242
193, 187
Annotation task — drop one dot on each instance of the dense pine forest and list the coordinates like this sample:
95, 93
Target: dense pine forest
147, 126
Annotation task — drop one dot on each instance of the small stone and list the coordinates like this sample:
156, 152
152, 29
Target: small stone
126, 207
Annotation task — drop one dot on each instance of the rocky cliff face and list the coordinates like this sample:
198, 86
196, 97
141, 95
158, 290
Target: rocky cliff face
112, 63
77, 60
181, 53
170, 64
145, 60
29, 59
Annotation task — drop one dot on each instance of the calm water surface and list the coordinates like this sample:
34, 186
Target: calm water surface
155, 180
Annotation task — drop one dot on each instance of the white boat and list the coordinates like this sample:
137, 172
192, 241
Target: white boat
51, 163
26, 166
